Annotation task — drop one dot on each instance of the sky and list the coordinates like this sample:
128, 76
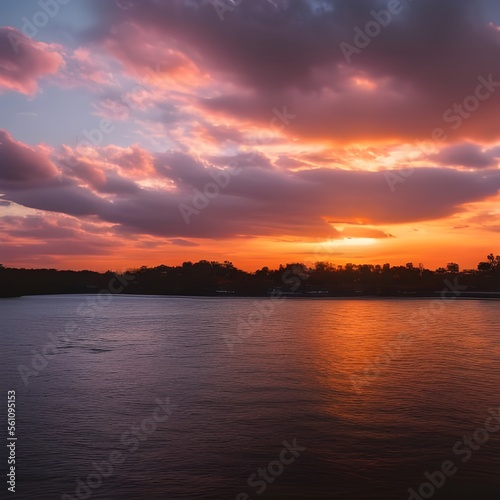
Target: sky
148, 132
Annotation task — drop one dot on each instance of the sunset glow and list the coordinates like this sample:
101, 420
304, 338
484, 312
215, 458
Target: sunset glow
155, 133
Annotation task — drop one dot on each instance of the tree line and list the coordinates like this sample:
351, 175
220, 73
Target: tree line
223, 278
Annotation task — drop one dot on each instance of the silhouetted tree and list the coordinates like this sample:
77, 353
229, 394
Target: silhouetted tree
211, 277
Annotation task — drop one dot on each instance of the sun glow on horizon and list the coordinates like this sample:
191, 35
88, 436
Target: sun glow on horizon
347, 242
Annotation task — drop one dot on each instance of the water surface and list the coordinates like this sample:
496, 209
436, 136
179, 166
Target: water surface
376, 396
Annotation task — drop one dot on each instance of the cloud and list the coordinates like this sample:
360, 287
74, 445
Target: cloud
180, 167
103, 179
21, 164
23, 61
85, 68
266, 55
64, 199
258, 201
156, 62
363, 232
42, 226
43, 239
183, 243
242, 160
467, 155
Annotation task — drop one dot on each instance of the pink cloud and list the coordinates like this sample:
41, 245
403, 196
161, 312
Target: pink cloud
87, 68
93, 165
23, 165
151, 56
23, 61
